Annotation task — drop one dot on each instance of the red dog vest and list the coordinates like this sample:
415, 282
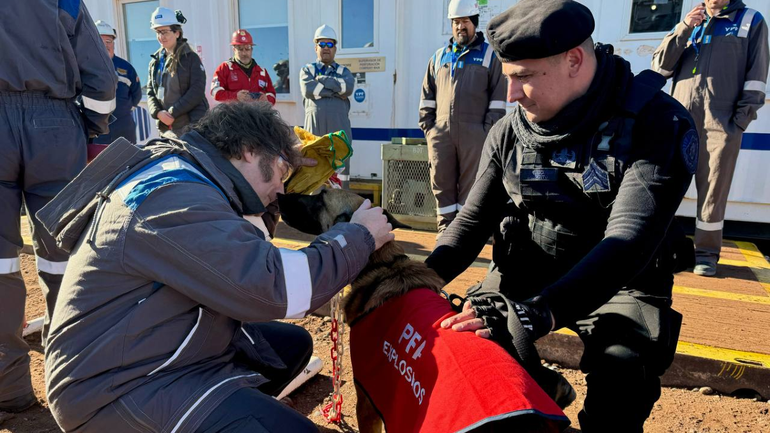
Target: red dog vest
422, 378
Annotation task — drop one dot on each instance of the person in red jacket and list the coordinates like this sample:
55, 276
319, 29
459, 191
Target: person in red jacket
241, 77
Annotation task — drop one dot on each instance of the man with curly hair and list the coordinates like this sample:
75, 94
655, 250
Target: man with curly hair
164, 318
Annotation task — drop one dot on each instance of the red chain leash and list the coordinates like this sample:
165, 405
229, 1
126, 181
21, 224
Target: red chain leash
332, 412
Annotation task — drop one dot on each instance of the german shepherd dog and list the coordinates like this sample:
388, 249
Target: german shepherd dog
388, 274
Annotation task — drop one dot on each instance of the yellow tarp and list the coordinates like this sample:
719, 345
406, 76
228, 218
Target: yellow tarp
331, 151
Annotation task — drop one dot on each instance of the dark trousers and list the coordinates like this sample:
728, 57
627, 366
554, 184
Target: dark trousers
256, 410
42, 148
629, 343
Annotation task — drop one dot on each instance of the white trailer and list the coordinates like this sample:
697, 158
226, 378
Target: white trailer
388, 43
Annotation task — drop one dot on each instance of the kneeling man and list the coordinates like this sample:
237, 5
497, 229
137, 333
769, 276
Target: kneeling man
163, 320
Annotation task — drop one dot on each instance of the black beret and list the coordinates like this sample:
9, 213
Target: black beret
535, 29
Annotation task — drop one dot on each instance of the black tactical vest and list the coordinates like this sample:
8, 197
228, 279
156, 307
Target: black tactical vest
568, 191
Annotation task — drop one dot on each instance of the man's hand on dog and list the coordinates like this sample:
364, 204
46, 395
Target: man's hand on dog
467, 321
535, 317
375, 221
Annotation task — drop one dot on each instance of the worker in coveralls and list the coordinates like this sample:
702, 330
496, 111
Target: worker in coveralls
241, 77
127, 96
463, 95
326, 87
579, 184
165, 319
52, 101
718, 57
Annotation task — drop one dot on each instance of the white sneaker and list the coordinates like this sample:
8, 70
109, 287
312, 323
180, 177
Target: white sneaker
705, 269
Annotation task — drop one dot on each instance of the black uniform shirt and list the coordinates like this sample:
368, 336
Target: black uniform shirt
649, 195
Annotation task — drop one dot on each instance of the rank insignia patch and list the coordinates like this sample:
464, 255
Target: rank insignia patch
595, 179
690, 150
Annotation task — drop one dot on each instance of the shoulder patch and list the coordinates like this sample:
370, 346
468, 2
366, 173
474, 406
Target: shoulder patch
689, 148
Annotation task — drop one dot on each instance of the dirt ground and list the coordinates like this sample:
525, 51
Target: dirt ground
678, 410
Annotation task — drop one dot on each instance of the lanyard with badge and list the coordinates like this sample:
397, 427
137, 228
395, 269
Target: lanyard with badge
457, 52
699, 33
322, 70
159, 75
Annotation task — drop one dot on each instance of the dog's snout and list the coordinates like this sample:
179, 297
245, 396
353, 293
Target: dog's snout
297, 212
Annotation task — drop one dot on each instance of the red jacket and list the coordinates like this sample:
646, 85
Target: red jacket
423, 378
229, 78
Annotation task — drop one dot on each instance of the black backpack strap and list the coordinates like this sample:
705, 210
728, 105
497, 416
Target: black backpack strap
644, 87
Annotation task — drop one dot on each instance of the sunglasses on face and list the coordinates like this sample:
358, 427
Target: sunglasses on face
289, 168
326, 44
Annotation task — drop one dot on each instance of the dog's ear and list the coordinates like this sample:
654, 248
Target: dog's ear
394, 222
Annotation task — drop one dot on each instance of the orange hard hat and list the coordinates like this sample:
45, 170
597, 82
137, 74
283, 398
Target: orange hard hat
241, 37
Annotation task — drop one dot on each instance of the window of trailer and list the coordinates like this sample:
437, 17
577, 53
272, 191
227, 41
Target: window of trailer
358, 25
268, 23
652, 16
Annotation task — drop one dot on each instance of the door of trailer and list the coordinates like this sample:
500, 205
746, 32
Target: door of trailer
367, 46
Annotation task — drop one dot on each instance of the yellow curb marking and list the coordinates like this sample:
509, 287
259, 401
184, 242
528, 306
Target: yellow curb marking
725, 355
752, 254
680, 290
742, 264
291, 243
729, 356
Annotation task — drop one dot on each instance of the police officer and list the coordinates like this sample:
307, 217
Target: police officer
326, 86
127, 95
463, 95
580, 184
52, 100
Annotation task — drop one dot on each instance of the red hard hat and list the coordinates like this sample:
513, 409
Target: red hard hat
241, 37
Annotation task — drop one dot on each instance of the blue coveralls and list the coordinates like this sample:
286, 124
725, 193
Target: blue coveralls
51, 101
127, 96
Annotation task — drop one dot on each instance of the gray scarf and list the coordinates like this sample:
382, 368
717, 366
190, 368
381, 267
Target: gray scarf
581, 117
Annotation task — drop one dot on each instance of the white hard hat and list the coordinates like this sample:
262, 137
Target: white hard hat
325, 32
105, 29
162, 17
463, 8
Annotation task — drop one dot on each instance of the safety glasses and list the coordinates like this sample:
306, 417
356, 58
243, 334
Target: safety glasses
326, 44
289, 168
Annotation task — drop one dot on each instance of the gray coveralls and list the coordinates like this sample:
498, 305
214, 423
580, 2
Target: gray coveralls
720, 75
43, 138
326, 89
463, 95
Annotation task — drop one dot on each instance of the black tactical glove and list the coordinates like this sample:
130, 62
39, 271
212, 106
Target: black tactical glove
515, 332
534, 316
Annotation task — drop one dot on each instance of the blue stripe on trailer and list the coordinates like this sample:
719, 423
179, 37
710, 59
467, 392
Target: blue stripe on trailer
751, 140
385, 134
755, 141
